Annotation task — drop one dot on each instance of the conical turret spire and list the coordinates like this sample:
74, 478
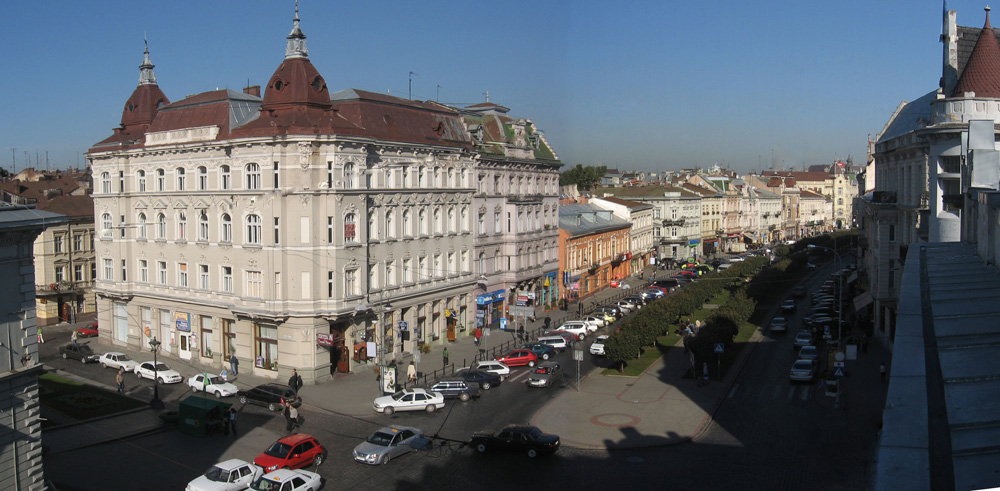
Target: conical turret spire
146, 75
981, 75
296, 47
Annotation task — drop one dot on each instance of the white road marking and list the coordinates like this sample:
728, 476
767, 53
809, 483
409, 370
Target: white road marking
732, 391
805, 393
522, 374
791, 392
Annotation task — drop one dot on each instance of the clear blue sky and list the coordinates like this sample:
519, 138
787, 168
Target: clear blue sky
635, 85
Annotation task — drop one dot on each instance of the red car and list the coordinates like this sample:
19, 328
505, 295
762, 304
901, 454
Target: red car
88, 332
292, 452
519, 358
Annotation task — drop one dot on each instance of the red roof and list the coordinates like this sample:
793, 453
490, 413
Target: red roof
982, 73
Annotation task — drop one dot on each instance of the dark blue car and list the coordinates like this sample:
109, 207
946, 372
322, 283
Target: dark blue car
542, 351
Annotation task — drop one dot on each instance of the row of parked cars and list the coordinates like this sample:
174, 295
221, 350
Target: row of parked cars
824, 316
278, 468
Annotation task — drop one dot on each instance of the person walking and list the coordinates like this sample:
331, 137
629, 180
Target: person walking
704, 371
548, 322
479, 335
295, 381
411, 373
234, 364
73, 337
232, 419
444, 355
120, 380
881, 371
41, 340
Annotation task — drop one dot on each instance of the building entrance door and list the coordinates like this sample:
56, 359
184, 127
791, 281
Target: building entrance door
184, 351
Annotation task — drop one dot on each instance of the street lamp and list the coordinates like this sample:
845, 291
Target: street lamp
840, 290
154, 346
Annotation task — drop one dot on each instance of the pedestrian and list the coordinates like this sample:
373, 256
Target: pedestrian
411, 373
704, 371
479, 334
120, 379
232, 419
881, 371
234, 364
444, 355
520, 333
548, 322
291, 417
40, 338
295, 381
73, 337
224, 374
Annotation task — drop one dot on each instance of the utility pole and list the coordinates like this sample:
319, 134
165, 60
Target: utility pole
409, 95
13, 160
438, 96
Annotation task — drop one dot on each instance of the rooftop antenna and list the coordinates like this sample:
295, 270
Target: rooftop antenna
409, 94
13, 159
438, 97
487, 94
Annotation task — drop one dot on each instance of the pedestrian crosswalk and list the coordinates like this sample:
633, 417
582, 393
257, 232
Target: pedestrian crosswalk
793, 393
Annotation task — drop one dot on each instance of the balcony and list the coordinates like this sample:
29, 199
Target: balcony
674, 222
62, 287
884, 197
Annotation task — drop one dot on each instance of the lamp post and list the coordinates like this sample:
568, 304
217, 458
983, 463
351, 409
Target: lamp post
154, 346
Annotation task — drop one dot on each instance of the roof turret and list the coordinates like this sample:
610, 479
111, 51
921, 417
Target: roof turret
981, 76
296, 83
146, 99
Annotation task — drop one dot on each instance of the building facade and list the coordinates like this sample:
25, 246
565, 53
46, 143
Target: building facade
640, 215
592, 244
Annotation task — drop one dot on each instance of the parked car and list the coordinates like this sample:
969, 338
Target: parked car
597, 347
81, 352
231, 475
608, 318
117, 360
788, 306
545, 375
557, 342
799, 291
613, 310
160, 371
669, 284
654, 291
494, 366
270, 396
737, 259
288, 480
779, 324
456, 389
518, 358
803, 371
485, 380
578, 328
541, 350
596, 321
627, 306
409, 400
294, 451
808, 353
212, 384
90, 331
639, 300
570, 338
388, 443
803, 338
519, 438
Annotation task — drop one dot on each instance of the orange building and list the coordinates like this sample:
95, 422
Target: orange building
594, 250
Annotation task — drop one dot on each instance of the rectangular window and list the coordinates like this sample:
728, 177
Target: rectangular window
267, 347
161, 272
57, 243
422, 266
60, 273
892, 233
277, 285
109, 271
277, 227
508, 222
497, 227
143, 271
78, 242
182, 275
329, 284
121, 181
350, 229
124, 275
329, 174
329, 230
437, 266
254, 284
206, 335
390, 274
227, 279
203, 276
77, 272
407, 271
229, 337
121, 223
275, 175
350, 282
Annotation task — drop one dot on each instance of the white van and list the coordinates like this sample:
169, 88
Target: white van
557, 343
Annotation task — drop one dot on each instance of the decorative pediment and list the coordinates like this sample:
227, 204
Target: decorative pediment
180, 204
202, 205
497, 209
482, 209
224, 205
140, 205
159, 205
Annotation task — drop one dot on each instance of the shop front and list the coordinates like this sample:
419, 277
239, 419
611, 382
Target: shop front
182, 323
489, 308
550, 288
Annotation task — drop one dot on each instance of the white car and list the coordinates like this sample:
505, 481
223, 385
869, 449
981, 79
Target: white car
779, 324
162, 372
494, 366
117, 360
593, 323
215, 385
578, 328
626, 305
288, 480
231, 475
409, 400
624, 286
597, 348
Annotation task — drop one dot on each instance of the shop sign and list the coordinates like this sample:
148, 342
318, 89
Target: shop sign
693, 242
182, 321
484, 299
324, 339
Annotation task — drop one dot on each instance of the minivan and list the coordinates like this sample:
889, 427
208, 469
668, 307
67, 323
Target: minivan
557, 343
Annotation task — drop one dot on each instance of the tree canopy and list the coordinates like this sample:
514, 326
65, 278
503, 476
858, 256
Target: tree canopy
585, 178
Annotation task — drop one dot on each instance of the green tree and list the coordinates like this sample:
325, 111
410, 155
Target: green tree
620, 348
585, 178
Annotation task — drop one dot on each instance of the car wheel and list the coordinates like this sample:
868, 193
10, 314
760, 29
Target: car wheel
104, 365
218, 394
389, 410
318, 460
64, 356
138, 374
481, 448
532, 453
463, 397
194, 389
531, 364
430, 408
386, 457
243, 399
486, 386
271, 407
545, 356
162, 380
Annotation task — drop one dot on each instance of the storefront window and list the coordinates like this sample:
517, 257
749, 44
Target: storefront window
229, 338
206, 336
267, 347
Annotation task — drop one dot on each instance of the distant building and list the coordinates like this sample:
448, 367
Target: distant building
640, 215
592, 244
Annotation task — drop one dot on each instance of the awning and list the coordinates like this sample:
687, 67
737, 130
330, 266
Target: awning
862, 301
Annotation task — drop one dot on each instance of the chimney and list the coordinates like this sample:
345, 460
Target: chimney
253, 90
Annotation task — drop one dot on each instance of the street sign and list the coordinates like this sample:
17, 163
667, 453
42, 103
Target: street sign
486, 331
720, 348
578, 354
839, 364
503, 323
403, 325
416, 356
839, 371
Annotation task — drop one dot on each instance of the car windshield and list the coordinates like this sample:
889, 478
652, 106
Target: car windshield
217, 474
279, 450
266, 484
124, 358
162, 367
534, 434
215, 380
380, 439
803, 364
398, 395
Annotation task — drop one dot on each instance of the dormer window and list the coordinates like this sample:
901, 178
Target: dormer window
278, 85
317, 84
131, 107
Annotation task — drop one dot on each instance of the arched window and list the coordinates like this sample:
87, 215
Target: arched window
141, 219
180, 178
437, 221
106, 224
464, 223
437, 177
161, 180
161, 226
203, 225
225, 177
106, 182
253, 176
182, 223
407, 231
481, 267
451, 173
406, 176
202, 178
141, 181
840, 201
388, 178
227, 228
253, 230
350, 229
348, 176
373, 226
422, 221
420, 177
452, 226
389, 231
